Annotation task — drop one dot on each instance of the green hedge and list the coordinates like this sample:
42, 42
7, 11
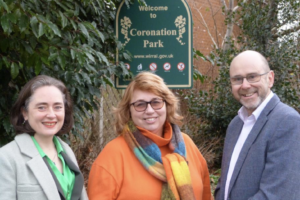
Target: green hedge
72, 40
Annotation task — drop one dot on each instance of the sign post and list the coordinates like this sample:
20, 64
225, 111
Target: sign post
160, 38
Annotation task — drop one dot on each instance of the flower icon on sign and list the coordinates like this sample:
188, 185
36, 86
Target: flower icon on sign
180, 23
126, 24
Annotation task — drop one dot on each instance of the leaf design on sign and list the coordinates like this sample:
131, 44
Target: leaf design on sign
126, 24
180, 23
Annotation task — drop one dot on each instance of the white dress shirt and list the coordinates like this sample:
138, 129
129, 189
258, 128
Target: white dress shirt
249, 122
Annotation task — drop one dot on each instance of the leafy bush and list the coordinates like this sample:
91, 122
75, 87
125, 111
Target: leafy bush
72, 40
261, 29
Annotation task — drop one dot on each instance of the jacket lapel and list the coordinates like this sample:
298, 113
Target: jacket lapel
37, 166
232, 140
247, 145
229, 146
58, 186
256, 130
78, 185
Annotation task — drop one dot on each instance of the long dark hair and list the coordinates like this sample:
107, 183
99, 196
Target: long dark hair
23, 100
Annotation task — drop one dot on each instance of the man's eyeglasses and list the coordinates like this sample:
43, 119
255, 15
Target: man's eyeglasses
141, 106
251, 78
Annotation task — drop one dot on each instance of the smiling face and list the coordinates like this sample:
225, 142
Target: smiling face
45, 111
251, 95
150, 119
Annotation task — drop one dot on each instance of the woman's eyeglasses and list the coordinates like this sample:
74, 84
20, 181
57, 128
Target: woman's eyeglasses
141, 106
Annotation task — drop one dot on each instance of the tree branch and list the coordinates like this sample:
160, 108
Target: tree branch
224, 4
215, 24
205, 24
228, 14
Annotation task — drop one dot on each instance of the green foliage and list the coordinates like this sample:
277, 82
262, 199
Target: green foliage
196, 74
215, 107
264, 33
214, 179
70, 40
262, 30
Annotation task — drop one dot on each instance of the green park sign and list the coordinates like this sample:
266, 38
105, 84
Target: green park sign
159, 36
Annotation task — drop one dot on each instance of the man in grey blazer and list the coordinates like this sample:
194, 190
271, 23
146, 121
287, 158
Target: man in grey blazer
261, 156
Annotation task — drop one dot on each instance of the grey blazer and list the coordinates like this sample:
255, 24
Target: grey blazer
24, 175
268, 166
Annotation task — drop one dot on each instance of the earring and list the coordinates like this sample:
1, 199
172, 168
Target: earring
24, 122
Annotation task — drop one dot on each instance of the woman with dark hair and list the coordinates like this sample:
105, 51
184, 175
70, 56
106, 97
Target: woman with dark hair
38, 165
151, 159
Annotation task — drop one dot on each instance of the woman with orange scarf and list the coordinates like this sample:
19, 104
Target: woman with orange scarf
152, 158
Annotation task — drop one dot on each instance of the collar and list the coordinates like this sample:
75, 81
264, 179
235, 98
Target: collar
26, 145
58, 146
